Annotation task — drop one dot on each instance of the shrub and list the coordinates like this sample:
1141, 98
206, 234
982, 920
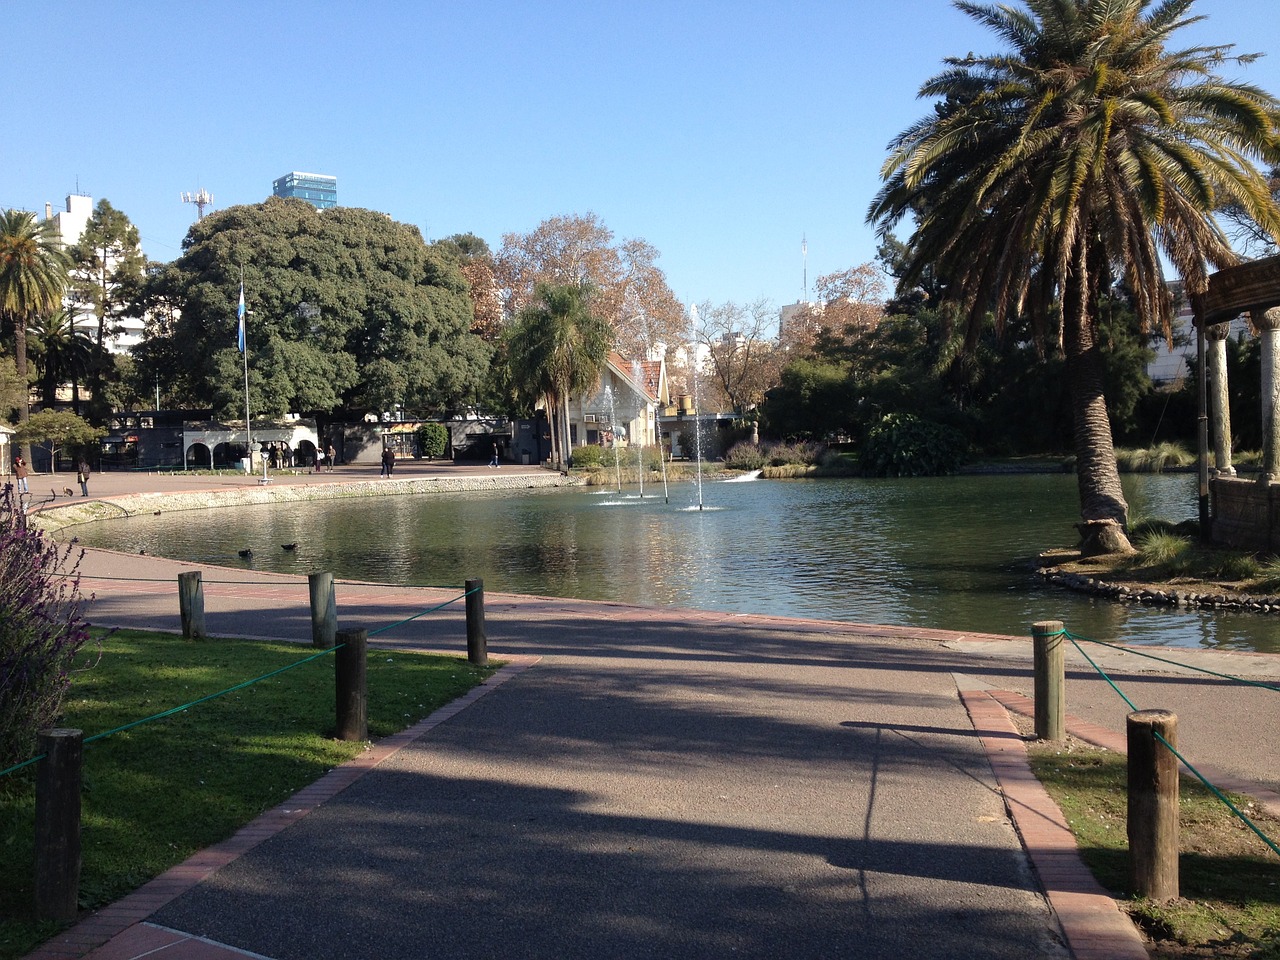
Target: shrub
433, 440
745, 456
903, 445
590, 457
41, 629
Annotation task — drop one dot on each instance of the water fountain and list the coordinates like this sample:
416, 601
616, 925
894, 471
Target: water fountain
613, 432
697, 407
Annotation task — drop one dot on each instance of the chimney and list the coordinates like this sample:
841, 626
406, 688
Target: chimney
48, 211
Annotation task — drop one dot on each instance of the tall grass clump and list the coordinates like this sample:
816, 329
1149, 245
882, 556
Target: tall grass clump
1157, 459
1164, 549
41, 628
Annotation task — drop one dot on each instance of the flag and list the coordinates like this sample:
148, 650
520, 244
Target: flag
240, 319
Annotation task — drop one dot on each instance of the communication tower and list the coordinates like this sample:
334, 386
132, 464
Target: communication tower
201, 198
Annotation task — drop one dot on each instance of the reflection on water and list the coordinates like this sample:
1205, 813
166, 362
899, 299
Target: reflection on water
948, 552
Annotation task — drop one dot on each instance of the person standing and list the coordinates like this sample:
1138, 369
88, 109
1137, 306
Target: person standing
82, 475
20, 472
332, 455
388, 461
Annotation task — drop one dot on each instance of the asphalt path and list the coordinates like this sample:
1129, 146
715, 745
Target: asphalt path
663, 783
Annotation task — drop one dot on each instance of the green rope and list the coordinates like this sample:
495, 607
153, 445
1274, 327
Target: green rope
441, 606
212, 696
1219, 794
1101, 672
19, 766
1185, 762
1151, 656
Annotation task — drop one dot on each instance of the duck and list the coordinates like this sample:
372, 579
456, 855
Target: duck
246, 554
288, 546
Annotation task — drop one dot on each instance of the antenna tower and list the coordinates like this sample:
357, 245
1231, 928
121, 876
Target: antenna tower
201, 198
804, 255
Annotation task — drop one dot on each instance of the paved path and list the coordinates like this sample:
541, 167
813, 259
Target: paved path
661, 783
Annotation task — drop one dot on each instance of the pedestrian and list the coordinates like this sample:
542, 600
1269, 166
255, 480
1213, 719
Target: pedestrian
493, 462
82, 475
388, 462
319, 460
20, 472
332, 454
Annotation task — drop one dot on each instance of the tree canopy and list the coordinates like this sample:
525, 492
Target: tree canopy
1070, 161
629, 290
348, 309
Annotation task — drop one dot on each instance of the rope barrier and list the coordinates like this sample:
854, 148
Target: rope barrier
240, 686
213, 696
269, 583
1219, 794
1151, 656
424, 612
1183, 760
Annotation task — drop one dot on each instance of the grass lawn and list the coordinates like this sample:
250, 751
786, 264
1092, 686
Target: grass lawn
156, 793
1229, 878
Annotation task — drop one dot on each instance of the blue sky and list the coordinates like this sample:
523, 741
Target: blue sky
720, 132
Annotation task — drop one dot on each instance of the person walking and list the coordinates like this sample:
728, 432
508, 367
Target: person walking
20, 473
332, 455
82, 475
388, 462
493, 462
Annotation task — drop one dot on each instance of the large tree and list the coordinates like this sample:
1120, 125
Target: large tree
107, 269
33, 275
558, 346
1074, 158
63, 353
629, 290
349, 309
738, 355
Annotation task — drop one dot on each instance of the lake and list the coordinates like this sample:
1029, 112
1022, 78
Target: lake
954, 553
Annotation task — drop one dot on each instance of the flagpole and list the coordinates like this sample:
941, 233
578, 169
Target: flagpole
244, 350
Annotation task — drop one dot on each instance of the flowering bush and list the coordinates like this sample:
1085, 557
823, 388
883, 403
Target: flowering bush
41, 628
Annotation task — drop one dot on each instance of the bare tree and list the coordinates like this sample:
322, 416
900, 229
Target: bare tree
849, 302
630, 290
739, 357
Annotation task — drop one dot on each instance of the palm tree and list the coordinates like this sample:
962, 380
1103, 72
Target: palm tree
33, 274
62, 352
556, 348
1069, 163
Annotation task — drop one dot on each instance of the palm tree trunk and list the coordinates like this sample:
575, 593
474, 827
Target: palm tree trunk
1103, 510
20, 362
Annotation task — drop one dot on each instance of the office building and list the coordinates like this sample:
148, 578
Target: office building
315, 188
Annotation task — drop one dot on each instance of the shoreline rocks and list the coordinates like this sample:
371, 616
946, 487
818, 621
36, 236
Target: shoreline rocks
1167, 596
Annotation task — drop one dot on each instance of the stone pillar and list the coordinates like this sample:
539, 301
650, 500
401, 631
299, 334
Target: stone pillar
1219, 403
1268, 325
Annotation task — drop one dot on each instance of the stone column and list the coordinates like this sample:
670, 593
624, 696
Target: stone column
1219, 403
1268, 325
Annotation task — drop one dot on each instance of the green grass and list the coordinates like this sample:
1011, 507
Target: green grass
1229, 879
155, 794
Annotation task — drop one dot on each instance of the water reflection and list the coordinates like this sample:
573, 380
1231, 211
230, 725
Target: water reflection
948, 552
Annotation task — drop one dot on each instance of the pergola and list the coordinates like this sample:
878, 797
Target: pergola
1246, 513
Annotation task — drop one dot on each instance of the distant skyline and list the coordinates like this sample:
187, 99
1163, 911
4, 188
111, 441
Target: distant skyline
722, 133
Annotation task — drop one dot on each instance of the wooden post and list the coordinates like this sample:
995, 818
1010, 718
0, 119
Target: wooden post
349, 685
324, 610
191, 604
58, 824
477, 643
1050, 680
1153, 804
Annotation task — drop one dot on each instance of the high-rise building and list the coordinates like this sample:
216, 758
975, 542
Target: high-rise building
315, 188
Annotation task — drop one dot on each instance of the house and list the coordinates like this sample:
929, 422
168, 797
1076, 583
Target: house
624, 405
